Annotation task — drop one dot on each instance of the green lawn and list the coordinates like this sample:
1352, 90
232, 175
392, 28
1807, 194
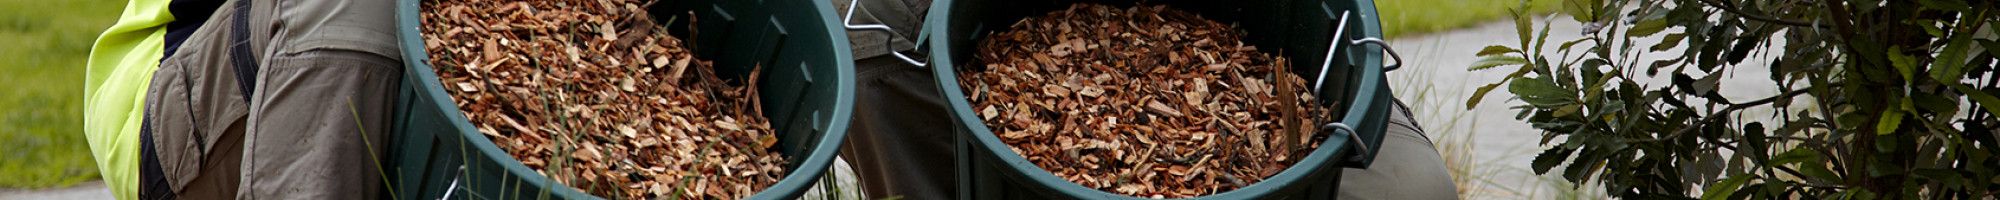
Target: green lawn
42, 50
1410, 17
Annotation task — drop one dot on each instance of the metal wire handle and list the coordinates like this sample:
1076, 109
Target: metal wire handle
1385, 48
454, 184
1352, 137
1333, 45
848, 21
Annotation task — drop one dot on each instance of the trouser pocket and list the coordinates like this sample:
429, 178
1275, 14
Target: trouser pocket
193, 119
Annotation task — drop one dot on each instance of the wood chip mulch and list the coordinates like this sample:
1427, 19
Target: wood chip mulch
596, 95
1144, 101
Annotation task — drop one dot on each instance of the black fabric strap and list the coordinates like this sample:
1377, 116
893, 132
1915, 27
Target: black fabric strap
239, 50
152, 179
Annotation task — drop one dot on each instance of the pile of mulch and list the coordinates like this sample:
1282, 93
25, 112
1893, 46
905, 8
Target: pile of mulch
596, 95
1144, 101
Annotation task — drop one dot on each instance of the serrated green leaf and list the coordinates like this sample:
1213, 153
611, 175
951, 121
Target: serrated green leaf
1521, 24
1609, 107
1563, 75
1496, 50
1473, 101
1950, 5
1757, 138
1541, 65
1856, 194
1817, 171
1796, 155
1904, 64
1487, 62
1579, 10
1947, 176
1987, 101
1541, 92
1748, 190
1565, 111
1548, 159
1892, 117
1541, 39
1950, 63
1576, 172
1722, 189
1664, 63
1944, 106
1593, 63
1743, 46
1934, 31
1668, 43
1707, 84
1566, 45
1647, 28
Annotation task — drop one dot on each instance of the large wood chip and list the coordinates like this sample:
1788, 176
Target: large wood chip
1143, 101
569, 88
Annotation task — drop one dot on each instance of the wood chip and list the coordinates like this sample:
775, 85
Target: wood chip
467, 87
569, 88
1163, 109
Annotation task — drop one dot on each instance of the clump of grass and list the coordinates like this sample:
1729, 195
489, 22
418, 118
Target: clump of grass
1441, 119
1560, 189
839, 184
829, 186
1451, 129
45, 44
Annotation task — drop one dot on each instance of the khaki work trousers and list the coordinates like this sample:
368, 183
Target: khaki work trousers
276, 99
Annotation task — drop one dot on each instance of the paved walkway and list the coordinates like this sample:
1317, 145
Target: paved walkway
86, 190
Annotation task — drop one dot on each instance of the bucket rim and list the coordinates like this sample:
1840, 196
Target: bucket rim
1369, 94
796, 181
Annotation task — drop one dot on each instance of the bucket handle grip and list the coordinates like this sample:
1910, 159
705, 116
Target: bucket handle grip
1354, 140
1385, 48
454, 184
847, 20
1333, 45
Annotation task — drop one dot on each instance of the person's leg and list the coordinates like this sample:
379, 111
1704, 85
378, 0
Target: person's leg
195, 109
901, 138
321, 105
1407, 166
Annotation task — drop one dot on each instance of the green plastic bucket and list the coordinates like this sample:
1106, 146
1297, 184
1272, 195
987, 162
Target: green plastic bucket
1299, 29
807, 88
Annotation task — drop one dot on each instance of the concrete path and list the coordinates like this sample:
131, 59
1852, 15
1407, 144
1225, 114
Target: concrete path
86, 190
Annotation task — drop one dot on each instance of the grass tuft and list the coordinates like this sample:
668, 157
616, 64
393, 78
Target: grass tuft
1440, 117
1452, 128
